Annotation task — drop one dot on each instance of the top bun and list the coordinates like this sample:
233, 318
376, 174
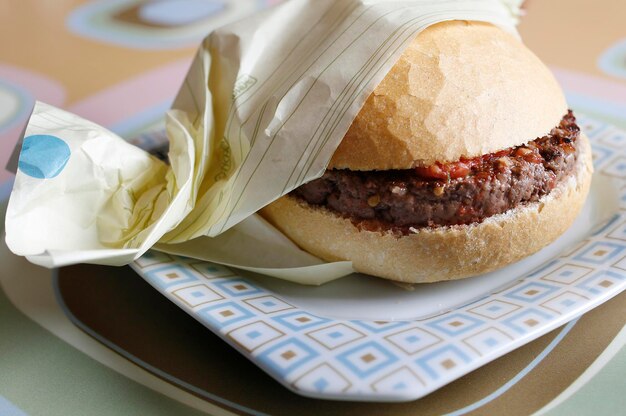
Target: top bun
460, 89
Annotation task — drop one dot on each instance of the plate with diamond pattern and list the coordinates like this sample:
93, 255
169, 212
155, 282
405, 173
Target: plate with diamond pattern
362, 338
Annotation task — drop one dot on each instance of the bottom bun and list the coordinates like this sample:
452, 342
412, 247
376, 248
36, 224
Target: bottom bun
441, 253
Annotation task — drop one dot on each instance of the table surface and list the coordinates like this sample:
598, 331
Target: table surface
62, 354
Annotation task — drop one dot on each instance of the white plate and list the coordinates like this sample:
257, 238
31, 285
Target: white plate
362, 338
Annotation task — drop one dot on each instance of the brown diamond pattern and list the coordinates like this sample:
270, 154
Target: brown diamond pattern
368, 358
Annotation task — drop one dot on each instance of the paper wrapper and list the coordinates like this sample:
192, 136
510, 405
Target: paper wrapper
263, 108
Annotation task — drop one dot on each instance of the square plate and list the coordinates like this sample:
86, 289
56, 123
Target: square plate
363, 338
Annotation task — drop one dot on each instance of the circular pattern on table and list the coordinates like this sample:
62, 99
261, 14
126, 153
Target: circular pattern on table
613, 60
43, 156
179, 12
14, 104
159, 24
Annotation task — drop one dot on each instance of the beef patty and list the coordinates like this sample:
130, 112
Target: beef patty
441, 194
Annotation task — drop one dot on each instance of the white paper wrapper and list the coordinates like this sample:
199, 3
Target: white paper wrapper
263, 108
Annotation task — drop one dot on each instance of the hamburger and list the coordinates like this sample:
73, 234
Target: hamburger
464, 159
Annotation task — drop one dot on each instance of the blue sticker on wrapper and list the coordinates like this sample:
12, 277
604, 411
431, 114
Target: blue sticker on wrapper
43, 156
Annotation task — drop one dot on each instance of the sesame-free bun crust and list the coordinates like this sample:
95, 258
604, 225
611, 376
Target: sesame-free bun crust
442, 253
459, 89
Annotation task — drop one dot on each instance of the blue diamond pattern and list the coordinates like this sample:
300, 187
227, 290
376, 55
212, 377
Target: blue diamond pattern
290, 320
531, 292
600, 252
351, 357
428, 361
158, 277
592, 284
230, 287
211, 270
444, 324
212, 315
285, 367
514, 321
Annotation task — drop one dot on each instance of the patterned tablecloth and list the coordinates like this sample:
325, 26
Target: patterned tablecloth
119, 63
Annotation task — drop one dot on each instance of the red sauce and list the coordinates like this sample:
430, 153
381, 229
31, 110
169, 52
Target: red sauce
485, 165
462, 168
